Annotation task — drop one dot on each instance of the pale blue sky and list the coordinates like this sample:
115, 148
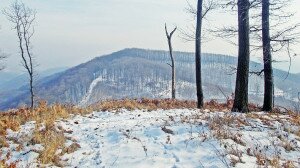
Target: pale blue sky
70, 32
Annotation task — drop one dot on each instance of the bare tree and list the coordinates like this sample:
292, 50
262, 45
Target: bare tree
267, 57
198, 38
196, 34
283, 35
23, 18
172, 65
270, 37
241, 88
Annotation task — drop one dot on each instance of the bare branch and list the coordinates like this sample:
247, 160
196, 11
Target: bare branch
290, 62
227, 97
257, 73
208, 6
170, 65
188, 34
167, 33
234, 69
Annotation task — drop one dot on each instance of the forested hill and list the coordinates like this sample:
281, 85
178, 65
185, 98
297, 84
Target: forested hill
136, 73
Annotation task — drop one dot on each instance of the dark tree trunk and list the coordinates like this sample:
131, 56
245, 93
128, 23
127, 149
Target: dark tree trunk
198, 55
31, 93
241, 88
169, 37
173, 72
268, 70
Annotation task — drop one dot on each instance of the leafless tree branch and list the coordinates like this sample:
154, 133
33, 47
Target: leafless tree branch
188, 34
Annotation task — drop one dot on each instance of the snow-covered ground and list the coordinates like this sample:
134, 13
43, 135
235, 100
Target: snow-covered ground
168, 139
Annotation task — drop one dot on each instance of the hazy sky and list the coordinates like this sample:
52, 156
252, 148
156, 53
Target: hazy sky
70, 32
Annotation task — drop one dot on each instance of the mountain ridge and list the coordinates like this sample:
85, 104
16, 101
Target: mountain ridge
134, 73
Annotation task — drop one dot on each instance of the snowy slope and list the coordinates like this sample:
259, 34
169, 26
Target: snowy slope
168, 139
87, 96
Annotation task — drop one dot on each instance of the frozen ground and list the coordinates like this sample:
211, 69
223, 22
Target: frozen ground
169, 139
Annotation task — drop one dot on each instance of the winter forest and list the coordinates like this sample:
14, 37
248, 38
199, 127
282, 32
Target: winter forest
220, 89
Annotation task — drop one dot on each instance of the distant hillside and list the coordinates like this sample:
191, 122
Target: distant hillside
17, 85
6, 76
13, 82
136, 73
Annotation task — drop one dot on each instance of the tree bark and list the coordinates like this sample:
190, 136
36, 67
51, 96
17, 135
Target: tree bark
268, 70
173, 71
198, 55
31, 92
241, 88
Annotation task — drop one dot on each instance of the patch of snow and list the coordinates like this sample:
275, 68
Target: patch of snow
27, 156
136, 139
88, 95
164, 138
278, 92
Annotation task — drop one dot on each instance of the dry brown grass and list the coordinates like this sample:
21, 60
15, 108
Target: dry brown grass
280, 116
147, 104
235, 155
274, 162
41, 114
294, 118
154, 104
52, 141
45, 117
213, 105
221, 127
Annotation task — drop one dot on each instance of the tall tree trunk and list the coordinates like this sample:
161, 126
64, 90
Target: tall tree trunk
31, 92
198, 55
268, 70
173, 74
173, 69
169, 37
241, 88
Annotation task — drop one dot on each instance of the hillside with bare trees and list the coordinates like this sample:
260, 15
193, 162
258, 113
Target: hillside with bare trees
138, 73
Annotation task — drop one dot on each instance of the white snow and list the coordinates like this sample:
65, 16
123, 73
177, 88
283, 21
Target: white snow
136, 139
163, 138
278, 92
88, 95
